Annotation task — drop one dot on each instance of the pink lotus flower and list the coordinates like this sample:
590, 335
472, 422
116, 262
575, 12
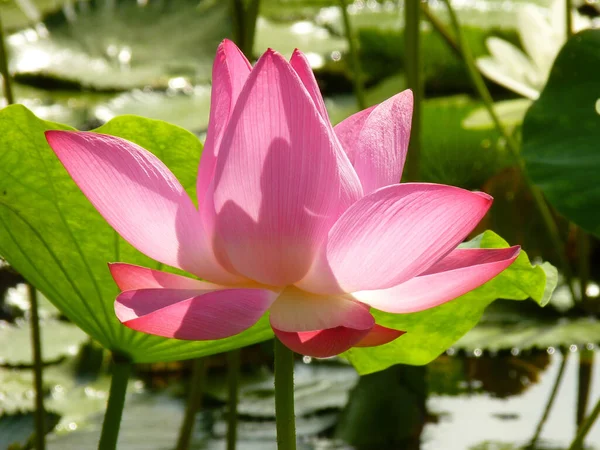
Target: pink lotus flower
296, 217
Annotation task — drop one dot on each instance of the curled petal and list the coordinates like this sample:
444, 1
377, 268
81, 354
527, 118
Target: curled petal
393, 235
230, 72
379, 335
458, 273
140, 198
129, 276
376, 141
277, 184
321, 343
192, 314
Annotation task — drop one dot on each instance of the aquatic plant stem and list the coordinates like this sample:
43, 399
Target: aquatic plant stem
414, 82
357, 78
569, 18
284, 397
584, 381
121, 370
36, 343
6, 81
194, 404
233, 382
513, 147
583, 261
548, 408
244, 24
577, 443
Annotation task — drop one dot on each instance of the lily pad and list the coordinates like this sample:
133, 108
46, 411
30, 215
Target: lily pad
431, 332
561, 133
532, 334
59, 339
510, 113
121, 45
18, 430
185, 106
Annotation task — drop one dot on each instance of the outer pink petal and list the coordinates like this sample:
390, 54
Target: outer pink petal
129, 276
140, 198
322, 343
458, 273
352, 188
393, 235
296, 310
376, 141
278, 184
302, 67
192, 314
379, 335
230, 72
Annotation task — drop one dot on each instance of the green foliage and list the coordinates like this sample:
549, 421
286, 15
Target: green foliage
55, 238
431, 332
561, 133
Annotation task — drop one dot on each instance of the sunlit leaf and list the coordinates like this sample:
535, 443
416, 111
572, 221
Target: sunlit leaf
431, 332
54, 237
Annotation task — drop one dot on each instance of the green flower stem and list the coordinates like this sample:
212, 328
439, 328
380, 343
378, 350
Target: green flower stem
414, 81
583, 261
7, 84
538, 198
569, 18
233, 381
577, 443
584, 382
40, 413
194, 404
359, 89
284, 397
121, 370
551, 399
244, 24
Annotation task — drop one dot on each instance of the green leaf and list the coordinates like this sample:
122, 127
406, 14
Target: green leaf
431, 332
58, 338
54, 237
533, 333
510, 113
561, 133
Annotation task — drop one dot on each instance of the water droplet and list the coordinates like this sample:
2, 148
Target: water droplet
590, 346
335, 55
478, 352
450, 352
306, 359
572, 348
550, 350
515, 351
72, 426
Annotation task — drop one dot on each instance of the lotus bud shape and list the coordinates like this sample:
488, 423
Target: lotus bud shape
296, 217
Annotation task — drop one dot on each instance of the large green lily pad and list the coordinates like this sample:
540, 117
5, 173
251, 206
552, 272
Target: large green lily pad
561, 133
54, 237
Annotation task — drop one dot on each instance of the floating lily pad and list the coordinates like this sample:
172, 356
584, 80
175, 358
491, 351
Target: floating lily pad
510, 113
18, 429
122, 44
58, 338
188, 108
531, 333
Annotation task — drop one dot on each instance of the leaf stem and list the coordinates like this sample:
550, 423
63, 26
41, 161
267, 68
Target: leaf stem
194, 404
513, 147
233, 381
6, 80
577, 443
244, 24
121, 370
414, 81
359, 90
551, 399
284, 397
36, 343
569, 18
